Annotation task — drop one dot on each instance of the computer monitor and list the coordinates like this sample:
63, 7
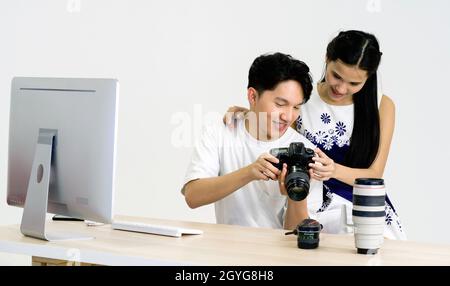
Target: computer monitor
62, 149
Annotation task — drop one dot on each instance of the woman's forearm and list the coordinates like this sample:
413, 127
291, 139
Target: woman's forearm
348, 175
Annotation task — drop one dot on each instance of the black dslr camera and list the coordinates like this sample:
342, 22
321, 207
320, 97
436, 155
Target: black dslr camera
297, 157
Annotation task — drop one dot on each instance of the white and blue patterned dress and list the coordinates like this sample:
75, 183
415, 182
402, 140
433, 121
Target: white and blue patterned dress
330, 127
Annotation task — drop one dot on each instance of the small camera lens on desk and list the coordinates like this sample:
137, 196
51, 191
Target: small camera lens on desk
307, 232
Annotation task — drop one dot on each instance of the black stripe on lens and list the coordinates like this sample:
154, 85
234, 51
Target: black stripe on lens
370, 201
368, 213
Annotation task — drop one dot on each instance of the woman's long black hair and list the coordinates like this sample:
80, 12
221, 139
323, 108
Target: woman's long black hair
362, 50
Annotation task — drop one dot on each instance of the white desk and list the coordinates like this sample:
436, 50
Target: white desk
219, 245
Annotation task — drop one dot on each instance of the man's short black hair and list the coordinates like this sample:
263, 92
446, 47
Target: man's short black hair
268, 70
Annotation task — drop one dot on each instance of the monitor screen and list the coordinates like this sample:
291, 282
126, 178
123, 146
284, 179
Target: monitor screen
82, 113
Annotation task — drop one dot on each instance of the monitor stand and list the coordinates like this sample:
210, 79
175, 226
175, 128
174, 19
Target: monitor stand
36, 203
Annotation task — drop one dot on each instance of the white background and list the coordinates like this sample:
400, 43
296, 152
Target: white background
180, 56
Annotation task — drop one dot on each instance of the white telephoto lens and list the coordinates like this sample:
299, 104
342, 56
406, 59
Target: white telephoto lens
368, 214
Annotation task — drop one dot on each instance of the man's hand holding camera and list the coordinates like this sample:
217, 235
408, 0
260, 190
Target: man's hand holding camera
262, 169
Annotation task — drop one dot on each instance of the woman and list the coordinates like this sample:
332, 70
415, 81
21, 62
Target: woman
352, 126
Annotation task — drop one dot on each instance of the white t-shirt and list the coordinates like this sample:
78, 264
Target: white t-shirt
222, 150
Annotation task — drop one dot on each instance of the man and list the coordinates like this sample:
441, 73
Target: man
232, 167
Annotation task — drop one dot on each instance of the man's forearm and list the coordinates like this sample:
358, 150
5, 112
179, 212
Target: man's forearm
209, 190
296, 212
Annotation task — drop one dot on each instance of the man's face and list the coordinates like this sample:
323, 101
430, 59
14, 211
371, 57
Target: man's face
275, 110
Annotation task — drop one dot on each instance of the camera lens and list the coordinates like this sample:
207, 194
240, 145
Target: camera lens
297, 184
308, 234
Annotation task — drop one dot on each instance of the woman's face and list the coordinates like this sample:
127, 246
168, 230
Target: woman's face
342, 81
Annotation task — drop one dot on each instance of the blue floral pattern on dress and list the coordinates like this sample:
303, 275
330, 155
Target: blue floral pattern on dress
328, 145
327, 198
340, 128
321, 137
399, 225
388, 219
310, 136
334, 138
326, 139
299, 123
325, 118
388, 214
